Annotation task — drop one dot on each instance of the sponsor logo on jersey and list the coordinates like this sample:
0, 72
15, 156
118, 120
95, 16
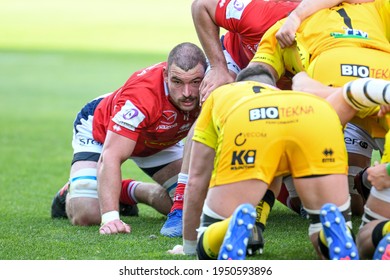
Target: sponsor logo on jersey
354, 70
263, 113
273, 113
355, 142
222, 3
88, 141
241, 138
168, 120
328, 153
350, 33
117, 127
133, 113
157, 144
236, 8
380, 73
166, 127
243, 159
168, 117
129, 116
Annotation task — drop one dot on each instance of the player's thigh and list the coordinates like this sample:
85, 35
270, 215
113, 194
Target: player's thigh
315, 142
316, 191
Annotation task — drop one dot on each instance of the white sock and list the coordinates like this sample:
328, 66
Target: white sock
182, 178
367, 93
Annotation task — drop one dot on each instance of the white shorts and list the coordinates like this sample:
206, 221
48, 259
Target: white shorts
358, 141
381, 195
231, 64
87, 148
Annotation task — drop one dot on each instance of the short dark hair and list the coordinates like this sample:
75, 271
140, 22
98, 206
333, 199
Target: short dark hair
257, 73
186, 56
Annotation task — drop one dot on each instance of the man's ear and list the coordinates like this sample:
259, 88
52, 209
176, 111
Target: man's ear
165, 74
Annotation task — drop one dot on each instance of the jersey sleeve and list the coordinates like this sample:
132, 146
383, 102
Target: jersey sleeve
269, 50
127, 121
135, 111
204, 131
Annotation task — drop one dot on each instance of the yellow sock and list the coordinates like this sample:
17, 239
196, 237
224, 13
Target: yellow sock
262, 209
323, 238
323, 244
386, 228
213, 237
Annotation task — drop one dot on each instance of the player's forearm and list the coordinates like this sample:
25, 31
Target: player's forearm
191, 220
303, 82
109, 186
193, 204
201, 166
191, 215
208, 33
308, 7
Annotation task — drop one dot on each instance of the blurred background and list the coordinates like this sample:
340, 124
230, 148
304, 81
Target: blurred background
98, 25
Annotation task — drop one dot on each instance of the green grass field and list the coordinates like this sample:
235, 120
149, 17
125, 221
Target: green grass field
54, 57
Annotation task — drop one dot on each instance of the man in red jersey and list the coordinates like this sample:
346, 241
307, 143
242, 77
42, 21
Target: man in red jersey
245, 21
144, 120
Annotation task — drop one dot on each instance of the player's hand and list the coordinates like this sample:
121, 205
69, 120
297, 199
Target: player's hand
378, 176
177, 250
384, 109
214, 78
114, 227
286, 33
300, 81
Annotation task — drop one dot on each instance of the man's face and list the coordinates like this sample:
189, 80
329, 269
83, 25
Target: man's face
184, 86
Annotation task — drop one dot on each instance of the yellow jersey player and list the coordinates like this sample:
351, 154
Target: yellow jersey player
240, 149
356, 97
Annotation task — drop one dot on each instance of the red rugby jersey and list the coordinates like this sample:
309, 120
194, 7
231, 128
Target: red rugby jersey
246, 21
141, 110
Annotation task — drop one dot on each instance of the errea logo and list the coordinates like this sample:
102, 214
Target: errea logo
222, 3
264, 113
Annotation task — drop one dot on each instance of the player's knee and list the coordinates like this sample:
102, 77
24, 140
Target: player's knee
315, 222
82, 204
83, 211
83, 183
370, 215
153, 195
159, 199
159, 195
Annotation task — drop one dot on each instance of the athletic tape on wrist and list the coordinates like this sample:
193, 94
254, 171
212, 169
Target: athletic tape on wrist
109, 216
189, 247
